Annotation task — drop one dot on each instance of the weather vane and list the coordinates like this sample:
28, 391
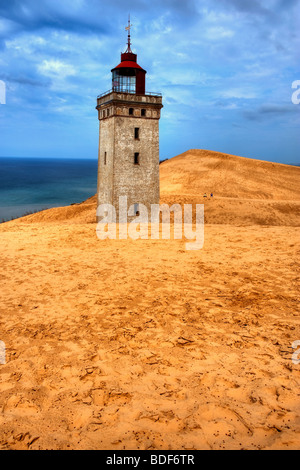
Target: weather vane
129, 37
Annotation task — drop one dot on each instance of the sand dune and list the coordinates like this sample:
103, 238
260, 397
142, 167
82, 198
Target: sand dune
198, 171
246, 191
144, 345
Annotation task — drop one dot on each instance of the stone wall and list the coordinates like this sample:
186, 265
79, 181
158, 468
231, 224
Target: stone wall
120, 172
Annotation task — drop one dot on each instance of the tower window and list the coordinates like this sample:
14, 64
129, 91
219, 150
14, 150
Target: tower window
105, 158
136, 158
137, 133
143, 112
130, 111
108, 112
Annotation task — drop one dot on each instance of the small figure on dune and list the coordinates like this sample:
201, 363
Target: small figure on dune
205, 195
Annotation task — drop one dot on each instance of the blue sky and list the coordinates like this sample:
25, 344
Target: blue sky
225, 69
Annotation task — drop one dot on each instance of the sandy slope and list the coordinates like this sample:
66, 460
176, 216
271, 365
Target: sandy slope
123, 344
198, 171
246, 191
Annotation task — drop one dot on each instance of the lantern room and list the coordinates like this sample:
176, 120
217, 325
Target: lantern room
128, 76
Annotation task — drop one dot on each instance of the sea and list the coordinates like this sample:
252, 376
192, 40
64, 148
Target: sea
29, 185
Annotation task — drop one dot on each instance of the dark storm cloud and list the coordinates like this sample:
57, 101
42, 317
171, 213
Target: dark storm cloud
267, 12
88, 16
254, 7
21, 80
32, 15
177, 7
186, 10
274, 109
270, 111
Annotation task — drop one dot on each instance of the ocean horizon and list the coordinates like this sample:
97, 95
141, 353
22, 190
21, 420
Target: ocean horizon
32, 184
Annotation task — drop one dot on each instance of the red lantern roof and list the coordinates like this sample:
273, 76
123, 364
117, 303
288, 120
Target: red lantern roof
128, 64
128, 60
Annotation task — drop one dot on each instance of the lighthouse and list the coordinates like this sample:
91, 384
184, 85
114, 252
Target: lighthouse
128, 158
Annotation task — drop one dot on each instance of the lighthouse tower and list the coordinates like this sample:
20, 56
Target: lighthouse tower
129, 137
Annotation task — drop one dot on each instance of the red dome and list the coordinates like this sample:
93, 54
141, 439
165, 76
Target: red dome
128, 60
128, 64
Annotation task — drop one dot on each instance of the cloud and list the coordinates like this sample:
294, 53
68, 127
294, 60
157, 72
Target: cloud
216, 61
69, 15
275, 109
26, 44
25, 81
239, 93
56, 69
254, 7
270, 111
